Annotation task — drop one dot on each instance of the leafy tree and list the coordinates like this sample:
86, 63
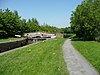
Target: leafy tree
67, 30
85, 19
48, 28
32, 25
9, 23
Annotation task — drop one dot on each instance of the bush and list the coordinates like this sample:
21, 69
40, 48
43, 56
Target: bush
97, 38
2, 34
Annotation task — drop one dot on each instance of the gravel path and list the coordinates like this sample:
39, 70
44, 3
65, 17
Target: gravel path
76, 63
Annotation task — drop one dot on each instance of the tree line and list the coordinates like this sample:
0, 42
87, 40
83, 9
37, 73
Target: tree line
85, 20
11, 24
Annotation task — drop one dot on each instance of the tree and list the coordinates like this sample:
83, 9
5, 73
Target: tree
10, 23
32, 25
48, 28
85, 19
67, 30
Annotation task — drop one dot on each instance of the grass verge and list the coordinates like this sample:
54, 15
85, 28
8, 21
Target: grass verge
9, 39
90, 50
44, 58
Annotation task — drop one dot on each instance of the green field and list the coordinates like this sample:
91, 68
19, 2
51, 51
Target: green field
44, 58
9, 39
90, 50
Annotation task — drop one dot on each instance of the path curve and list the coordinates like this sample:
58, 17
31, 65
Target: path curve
76, 63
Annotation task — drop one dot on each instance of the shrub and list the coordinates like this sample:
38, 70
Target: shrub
97, 38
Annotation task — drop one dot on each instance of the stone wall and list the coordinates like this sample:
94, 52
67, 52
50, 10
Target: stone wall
5, 46
11, 45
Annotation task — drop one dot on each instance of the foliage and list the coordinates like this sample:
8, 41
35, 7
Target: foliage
44, 58
48, 28
32, 25
85, 20
67, 30
9, 23
67, 35
98, 38
90, 50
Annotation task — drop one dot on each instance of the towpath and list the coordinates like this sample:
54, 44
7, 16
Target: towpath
76, 63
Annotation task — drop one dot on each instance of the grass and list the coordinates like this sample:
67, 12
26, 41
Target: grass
44, 58
9, 39
90, 50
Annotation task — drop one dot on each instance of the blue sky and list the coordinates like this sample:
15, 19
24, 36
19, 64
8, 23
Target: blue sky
53, 12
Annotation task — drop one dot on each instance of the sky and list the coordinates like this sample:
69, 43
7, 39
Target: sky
52, 12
